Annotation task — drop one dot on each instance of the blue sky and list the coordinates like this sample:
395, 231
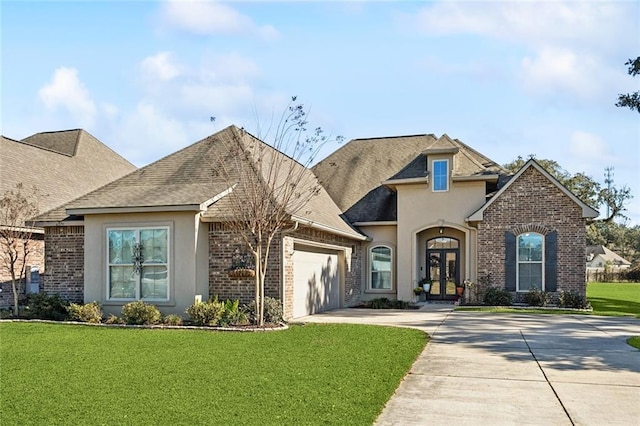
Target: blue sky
507, 78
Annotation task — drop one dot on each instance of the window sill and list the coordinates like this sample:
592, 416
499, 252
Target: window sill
380, 291
149, 302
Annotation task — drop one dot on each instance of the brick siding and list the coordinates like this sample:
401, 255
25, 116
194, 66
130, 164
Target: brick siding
64, 257
223, 242
533, 204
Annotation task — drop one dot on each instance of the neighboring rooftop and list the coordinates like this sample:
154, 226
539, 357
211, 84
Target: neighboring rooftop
62, 165
606, 255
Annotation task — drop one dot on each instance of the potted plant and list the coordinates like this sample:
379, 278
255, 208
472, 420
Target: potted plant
418, 291
241, 267
425, 283
459, 289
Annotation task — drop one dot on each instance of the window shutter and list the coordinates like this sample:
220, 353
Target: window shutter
510, 263
551, 261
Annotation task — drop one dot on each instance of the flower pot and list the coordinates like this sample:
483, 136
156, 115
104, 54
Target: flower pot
242, 273
426, 287
459, 291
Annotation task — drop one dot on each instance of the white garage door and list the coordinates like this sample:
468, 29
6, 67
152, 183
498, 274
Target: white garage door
316, 281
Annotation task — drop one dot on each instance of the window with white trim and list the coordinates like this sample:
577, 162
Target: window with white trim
440, 173
380, 267
530, 258
138, 263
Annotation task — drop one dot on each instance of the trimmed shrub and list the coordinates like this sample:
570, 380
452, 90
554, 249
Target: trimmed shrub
89, 312
47, 307
495, 296
206, 313
140, 313
172, 319
573, 299
535, 297
385, 303
233, 315
632, 274
113, 319
273, 313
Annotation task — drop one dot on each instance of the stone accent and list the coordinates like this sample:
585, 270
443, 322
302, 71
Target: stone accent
533, 204
64, 256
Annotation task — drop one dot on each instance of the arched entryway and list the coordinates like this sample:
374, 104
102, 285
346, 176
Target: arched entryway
443, 267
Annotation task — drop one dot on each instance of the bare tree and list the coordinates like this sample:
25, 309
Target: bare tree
269, 183
15, 236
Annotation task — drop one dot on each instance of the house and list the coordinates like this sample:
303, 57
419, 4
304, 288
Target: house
61, 165
601, 259
390, 212
435, 208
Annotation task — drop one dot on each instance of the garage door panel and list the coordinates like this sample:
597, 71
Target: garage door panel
316, 282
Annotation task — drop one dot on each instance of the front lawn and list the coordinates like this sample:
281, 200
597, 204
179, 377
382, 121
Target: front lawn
614, 298
309, 374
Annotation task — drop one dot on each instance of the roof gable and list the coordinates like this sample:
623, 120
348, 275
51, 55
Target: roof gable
587, 211
61, 170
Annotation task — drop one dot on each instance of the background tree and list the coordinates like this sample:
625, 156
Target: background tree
15, 237
584, 187
631, 100
605, 231
269, 182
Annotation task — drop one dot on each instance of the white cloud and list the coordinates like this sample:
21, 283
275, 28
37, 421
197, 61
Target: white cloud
66, 91
211, 17
564, 47
160, 67
555, 70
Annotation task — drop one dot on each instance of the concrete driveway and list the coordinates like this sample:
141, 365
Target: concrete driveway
482, 368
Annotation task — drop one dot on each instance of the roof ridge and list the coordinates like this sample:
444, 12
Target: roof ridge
395, 137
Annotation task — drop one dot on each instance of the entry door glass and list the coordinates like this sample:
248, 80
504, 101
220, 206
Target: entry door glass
443, 268
434, 272
451, 268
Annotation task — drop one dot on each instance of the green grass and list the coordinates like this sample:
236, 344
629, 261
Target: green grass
310, 374
634, 341
614, 298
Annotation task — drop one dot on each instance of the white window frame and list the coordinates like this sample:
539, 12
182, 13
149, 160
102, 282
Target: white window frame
370, 269
519, 262
433, 175
137, 230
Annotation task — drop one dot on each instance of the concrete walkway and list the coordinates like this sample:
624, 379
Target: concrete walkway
482, 368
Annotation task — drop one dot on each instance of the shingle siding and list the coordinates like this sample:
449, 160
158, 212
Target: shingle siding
533, 204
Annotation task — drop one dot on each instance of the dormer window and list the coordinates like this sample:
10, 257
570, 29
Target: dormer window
440, 173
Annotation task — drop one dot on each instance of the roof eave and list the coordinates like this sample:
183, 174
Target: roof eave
486, 178
330, 229
392, 183
81, 211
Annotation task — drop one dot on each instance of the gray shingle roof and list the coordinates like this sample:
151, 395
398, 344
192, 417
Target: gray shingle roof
61, 165
193, 176
353, 174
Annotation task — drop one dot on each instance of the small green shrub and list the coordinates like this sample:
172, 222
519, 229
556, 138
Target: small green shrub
89, 312
233, 315
535, 297
172, 319
206, 313
113, 319
495, 296
573, 299
273, 313
140, 313
47, 307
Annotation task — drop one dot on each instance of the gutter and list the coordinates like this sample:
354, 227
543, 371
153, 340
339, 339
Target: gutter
326, 228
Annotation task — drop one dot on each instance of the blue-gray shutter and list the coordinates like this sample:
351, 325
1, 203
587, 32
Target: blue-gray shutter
551, 261
510, 263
